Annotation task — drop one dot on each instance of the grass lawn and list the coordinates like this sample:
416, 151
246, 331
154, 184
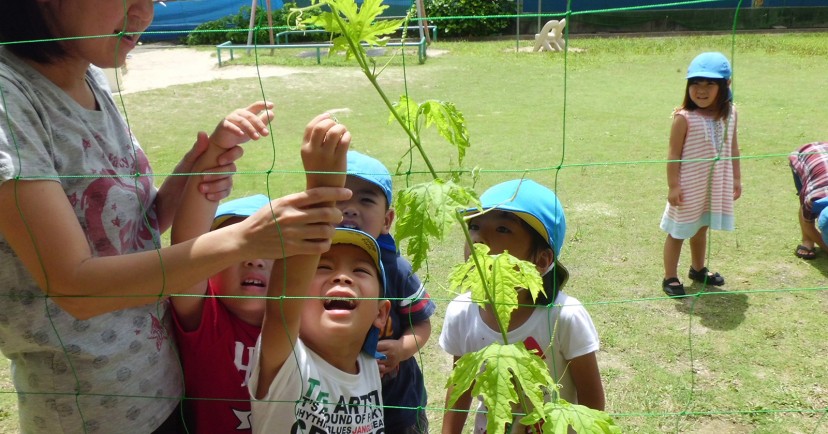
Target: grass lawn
593, 125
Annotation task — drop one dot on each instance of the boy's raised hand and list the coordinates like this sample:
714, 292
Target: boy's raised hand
242, 125
324, 149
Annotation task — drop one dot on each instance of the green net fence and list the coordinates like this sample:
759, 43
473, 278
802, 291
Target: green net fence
592, 123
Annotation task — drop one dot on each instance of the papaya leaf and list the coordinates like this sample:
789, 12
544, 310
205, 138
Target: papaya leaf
449, 121
463, 375
558, 416
498, 371
502, 274
360, 24
427, 211
406, 108
450, 124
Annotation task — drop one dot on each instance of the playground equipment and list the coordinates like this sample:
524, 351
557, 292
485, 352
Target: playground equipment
281, 40
275, 42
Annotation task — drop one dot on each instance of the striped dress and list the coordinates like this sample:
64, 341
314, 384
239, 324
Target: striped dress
706, 186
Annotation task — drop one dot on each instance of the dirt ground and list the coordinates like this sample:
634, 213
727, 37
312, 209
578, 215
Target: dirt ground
156, 66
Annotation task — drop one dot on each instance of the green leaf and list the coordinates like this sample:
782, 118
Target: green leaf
449, 121
496, 284
356, 23
427, 210
498, 372
450, 124
559, 415
407, 109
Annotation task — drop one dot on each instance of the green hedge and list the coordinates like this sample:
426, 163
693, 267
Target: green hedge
471, 26
234, 28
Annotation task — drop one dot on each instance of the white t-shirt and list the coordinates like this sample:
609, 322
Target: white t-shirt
309, 395
464, 332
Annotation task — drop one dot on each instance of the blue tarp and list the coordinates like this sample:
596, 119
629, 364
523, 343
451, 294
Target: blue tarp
182, 16
185, 15
553, 6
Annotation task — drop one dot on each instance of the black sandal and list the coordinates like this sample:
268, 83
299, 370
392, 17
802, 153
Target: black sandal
805, 253
672, 287
705, 276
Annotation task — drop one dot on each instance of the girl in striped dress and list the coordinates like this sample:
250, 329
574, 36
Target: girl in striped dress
703, 174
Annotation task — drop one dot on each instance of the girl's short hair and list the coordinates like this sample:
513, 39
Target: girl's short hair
23, 20
722, 103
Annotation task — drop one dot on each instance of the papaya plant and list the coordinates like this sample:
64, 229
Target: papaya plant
427, 211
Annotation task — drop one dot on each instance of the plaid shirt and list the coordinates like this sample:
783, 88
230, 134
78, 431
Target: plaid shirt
810, 164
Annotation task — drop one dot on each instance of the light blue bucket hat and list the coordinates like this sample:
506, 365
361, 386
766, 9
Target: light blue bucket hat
371, 170
241, 207
709, 65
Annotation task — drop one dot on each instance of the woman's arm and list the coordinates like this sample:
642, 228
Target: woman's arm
214, 187
41, 227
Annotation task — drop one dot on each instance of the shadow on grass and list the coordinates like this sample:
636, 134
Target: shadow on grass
716, 309
820, 263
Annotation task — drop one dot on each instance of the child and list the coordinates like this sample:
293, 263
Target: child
527, 220
309, 374
408, 327
809, 164
83, 277
216, 335
701, 193
222, 330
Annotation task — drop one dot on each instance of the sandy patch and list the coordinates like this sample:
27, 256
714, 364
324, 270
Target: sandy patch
156, 67
532, 49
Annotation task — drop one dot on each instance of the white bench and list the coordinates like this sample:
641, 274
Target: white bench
551, 36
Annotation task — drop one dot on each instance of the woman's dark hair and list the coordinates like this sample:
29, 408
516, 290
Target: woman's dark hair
722, 103
554, 280
22, 20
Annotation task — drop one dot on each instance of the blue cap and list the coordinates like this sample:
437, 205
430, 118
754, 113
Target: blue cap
242, 207
371, 170
533, 203
369, 244
709, 65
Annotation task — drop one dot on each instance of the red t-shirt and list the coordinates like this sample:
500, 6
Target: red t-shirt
217, 358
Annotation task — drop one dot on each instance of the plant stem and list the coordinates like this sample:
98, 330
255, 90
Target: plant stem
489, 295
503, 331
356, 48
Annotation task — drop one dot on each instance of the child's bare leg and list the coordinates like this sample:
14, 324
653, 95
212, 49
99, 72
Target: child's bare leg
698, 248
810, 234
672, 252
